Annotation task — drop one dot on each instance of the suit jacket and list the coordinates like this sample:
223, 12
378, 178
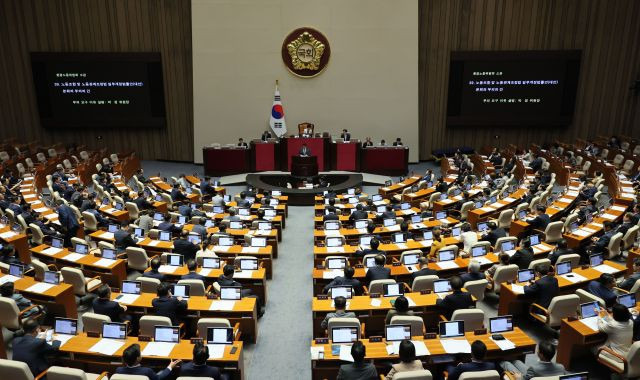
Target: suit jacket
454, 301
455, 372
343, 281
168, 226
522, 258
153, 274
169, 307
542, 369
378, 273
337, 314
415, 365
193, 276
112, 309
471, 277
67, 218
144, 371
494, 235
330, 216
195, 370
176, 195
628, 283
423, 272
357, 371
186, 248
123, 239
543, 290
599, 290
539, 222
388, 215
356, 215
553, 256
142, 203
305, 151
346, 136
32, 350
603, 241
368, 251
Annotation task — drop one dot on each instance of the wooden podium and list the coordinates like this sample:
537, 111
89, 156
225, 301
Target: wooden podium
304, 166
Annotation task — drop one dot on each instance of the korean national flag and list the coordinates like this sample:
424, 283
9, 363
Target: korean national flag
276, 121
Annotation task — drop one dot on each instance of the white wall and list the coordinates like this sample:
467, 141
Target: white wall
370, 85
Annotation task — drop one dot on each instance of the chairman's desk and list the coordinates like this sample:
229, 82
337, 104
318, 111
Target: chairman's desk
512, 302
327, 368
75, 353
244, 311
59, 299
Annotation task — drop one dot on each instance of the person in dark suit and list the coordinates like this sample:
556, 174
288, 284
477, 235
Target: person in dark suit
561, 249
603, 288
374, 244
68, 221
154, 264
168, 306
331, 215
265, 135
536, 163
601, 243
473, 272
103, 305
541, 220
379, 272
628, 282
205, 187
32, 348
123, 238
626, 224
545, 288
166, 225
87, 203
140, 201
456, 300
367, 142
358, 370
424, 270
388, 213
358, 214
304, 151
494, 233
131, 358
346, 280
635, 217
198, 366
184, 247
478, 352
243, 202
345, 135
523, 256
8, 255
176, 194
398, 142
192, 275
241, 143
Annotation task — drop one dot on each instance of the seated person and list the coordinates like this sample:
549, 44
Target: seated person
561, 249
358, 214
601, 243
103, 305
603, 288
182, 246
423, 269
32, 348
7, 290
374, 243
341, 307
619, 329
166, 225
304, 151
503, 261
494, 234
543, 367
8, 255
478, 352
628, 283
456, 300
388, 213
358, 370
131, 358
154, 264
545, 288
198, 366
123, 238
331, 215
378, 272
437, 244
524, 255
192, 265
468, 237
400, 307
398, 142
226, 279
408, 361
347, 280
473, 272
241, 143
166, 305
176, 193
541, 220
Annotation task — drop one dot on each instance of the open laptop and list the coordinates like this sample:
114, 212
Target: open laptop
397, 333
168, 334
501, 324
451, 329
361, 223
596, 259
57, 243
365, 239
175, 260
563, 268
392, 290
218, 210
427, 235
456, 231
589, 309
108, 253
181, 290
334, 242
389, 222
370, 262
399, 238
264, 226
482, 227
235, 225
232, 293
344, 335
410, 259
16, 270
508, 246
478, 251
244, 212
258, 241
138, 233
345, 291
628, 300
441, 215
575, 376
113, 330
195, 239
51, 277
336, 263
248, 264
113, 228
165, 236
534, 239
526, 275
446, 255
131, 287
66, 326
82, 249
416, 218
220, 335
158, 216
225, 241
211, 262
441, 286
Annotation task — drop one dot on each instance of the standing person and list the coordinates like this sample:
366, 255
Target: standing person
68, 221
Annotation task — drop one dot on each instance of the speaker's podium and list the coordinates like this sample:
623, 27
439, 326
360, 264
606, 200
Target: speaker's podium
304, 166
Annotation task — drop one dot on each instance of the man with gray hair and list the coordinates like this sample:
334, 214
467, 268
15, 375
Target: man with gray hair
473, 272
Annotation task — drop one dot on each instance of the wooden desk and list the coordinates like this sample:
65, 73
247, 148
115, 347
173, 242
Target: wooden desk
388, 191
19, 241
319, 235
60, 300
575, 240
112, 213
75, 353
476, 215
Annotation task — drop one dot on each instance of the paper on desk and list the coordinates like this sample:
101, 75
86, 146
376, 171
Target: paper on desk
315, 352
445, 201
104, 263
110, 210
222, 305
62, 338
8, 234
250, 249
411, 302
51, 251
581, 233
395, 227
565, 200
40, 209
418, 226
107, 346
483, 260
596, 224
504, 344
376, 302
107, 235
158, 349
509, 199
153, 243
40, 287
426, 243
537, 248
411, 268
345, 353
167, 269
608, 216
517, 289
127, 298
73, 257
421, 348
572, 193
204, 271
51, 216
618, 208
361, 230
8, 278
331, 232
408, 212
401, 246
216, 351
591, 322
573, 277
221, 248
335, 249
604, 268
487, 209
393, 348
331, 274
245, 273
447, 264
456, 346
590, 230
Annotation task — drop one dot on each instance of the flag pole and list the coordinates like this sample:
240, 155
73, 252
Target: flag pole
276, 83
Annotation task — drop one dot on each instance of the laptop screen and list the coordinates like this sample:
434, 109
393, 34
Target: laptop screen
405, 206
118, 206
218, 209
397, 333
180, 290
501, 324
441, 286
264, 226
233, 293
165, 236
131, 287
112, 330
351, 191
332, 226
478, 251
258, 241
220, 335
138, 232
158, 198
336, 263
596, 260
365, 240
16, 270
393, 290
57, 243
195, 239
344, 334
575, 376
182, 219
175, 260
441, 215
389, 222
113, 228
525, 275
522, 214
628, 300
249, 264
334, 242
370, 262
66, 326
589, 309
342, 291
381, 208
51, 277
170, 334
235, 225
211, 262
158, 216
427, 235
508, 246
416, 218
362, 223
244, 212
563, 268
482, 226
535, 239
451, 329
225, 241
399, 238
410, 259
446, 255
270, 212
108, 253
82, 249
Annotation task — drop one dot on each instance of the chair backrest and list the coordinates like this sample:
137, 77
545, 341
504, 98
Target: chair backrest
586, 296
92, 322
331, 222
633, 361
137, 258
504, 220
196, 287
416, 322
104, 244
75, 278
630, 237
477, 288
544, 262
480, 375
39, 268
343, 322
571, 218
473, 318
562, 307
37, 236
202, 254
15, 370
376, 286
534, 202
65, 373
434, 197
465, 208
205, 323
424, 283
614, 245
148, 284
133, 210
149, 322
617, 160
344, 240
628, 165
553, 232
574, 258
9, 313
90, 221
504, 274
167, 198
498, 248
119, 376
423, 374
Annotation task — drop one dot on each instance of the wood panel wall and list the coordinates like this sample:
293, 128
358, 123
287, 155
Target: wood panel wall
607, 32
98, 26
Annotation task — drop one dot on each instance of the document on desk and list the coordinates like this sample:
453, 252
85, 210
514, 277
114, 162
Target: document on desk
484, 261
107, 346
376, 302
581, 233
604, 268
127, 299
456, 346
73, 257
395, 227
250, 249
62, 338
331, 232
426, 243
331, 274
408, 212
573, 278
608, 216
411, 268
223, 305
216, 351
345, 353
335, 249
509, 199
517, 289
204, 271
447, 264
40, 209
51, 216
167, 269
8, 278
221, 248
315, 352
107, 235
153, 243
591, 322
590, 230
8, 235
411, 302
565, 200
39, 288
572, 193
487, 209
393, 348
401, 246
51, 251
158, 349
245, 273
105, 263
504, 344
421, 348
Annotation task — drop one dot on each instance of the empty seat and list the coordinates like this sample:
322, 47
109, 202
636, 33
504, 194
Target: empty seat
473, 318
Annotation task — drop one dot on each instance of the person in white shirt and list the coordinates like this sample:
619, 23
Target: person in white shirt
217, 199
619, 329
468, 237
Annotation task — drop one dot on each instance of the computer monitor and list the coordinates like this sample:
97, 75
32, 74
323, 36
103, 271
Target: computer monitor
235, 225
181, 290
341, 291
51, 277
264, 226
113, 330
370, 262
248, 264
441, 286
220, 335
57, 243
493, 199
169, 334
232, 293
211, 262
596, 259
534, 239
563, 268
399, 238
446, 255
478, 204
158, 216
482, 226
138, 232
388, 222
195, 239
501, 324
82, 249
478, 251
361, 223
451, 329
16, 270
258, 241
397, 333
416, 218
381, 208
628, 300
353, 200
105, 201
131, 287
589, 309
443, 196
113, 228
175, 260
225, 241
392, 290
269, 212
209, 223
574, 226
522, 214
526, 275
226, 198
276, 193
67, 326
165, 236
218, 209
244, 212
108, 253
410, 259
405, 206
427, 235
158, 198
119, 206
376, 197
441, 215
344, 334
336, 262
575, 376
334, 242
456, 231
182, 219
351, 191
508, 245
365, 240
332, 226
